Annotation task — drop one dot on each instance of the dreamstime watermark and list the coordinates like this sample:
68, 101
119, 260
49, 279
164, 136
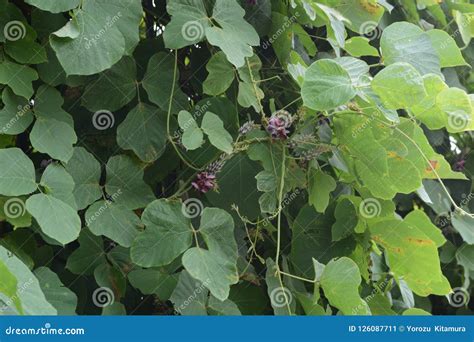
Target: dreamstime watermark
14, 208
192, 208
14, 30
192, 31
109, 23
445, 218
285, 26
459, 120
200, 287
22, 110
284, 203
107, 203
360, 128
46, 330
280, 297
370, 29
370, 208
103, 119
102, 297
457, 32
459, 297
11, 300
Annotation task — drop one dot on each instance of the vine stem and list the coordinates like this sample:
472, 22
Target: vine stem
168, 117
280, 208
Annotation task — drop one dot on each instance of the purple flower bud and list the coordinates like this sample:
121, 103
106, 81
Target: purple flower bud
459, 165
204, 182
278, 125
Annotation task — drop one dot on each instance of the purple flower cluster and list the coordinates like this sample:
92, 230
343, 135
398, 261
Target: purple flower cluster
204, 182
278, 125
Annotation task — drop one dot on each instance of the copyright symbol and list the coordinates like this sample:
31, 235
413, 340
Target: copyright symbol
401, 328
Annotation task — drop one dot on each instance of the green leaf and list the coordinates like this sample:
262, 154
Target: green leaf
326, 85
463, 224
359, 46
113, 221
188, 23
399, 86
9, 285
31, 297
153, 282
346, 219
186, 286
192, 137
447, 49
427, 110
61, 297
311, 237
167, 235
320, 187
216, 267
85, 171
407, 43
340, 282
59, 183
235, 36
53, 137
221, 75
15, 116
18, 77
56, 218
412, 254
97, 36
158, 82
17, 173
116, 86
144, 132
222, 308
88, 255
54, 6
281, 298
213, 126
26, 52
247, 96
125, 177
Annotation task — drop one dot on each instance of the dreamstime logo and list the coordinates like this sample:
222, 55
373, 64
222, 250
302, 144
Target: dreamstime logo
370, 208
459, 297
370, 30
11, 300
458, 120
14, 208
286, 25
280, 297
192, 208
14, 30
102, 297
192, 31
103, 119
107, 203
192, 297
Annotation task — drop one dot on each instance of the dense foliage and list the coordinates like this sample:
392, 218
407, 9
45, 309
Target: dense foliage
224, 157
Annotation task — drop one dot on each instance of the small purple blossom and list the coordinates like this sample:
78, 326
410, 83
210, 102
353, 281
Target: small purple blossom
204, 182
278, 125
251, 2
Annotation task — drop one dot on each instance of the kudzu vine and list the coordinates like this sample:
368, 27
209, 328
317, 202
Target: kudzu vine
236, 157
